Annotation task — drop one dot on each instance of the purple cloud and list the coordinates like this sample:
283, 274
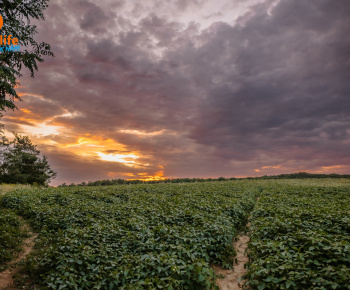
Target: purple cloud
264, 92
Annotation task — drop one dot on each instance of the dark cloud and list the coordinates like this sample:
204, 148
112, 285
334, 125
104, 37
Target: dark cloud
285, 84
270, 89
92, 18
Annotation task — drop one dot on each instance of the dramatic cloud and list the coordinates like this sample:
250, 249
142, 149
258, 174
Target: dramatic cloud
191, 89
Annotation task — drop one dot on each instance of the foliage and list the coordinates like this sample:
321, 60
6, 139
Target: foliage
303, 175
17, 15
5, 188
300, 238
134, 236
20, 162
105, 182
167, 235
11, 235
11, 229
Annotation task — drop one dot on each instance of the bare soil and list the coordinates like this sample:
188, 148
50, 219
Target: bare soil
6, 277
232, 278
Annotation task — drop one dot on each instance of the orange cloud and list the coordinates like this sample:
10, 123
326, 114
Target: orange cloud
272, 167
26, 111
105, 149
29, 94
142, 133
269, 167
333, 168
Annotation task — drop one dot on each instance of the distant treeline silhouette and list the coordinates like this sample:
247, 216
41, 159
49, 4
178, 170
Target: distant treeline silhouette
299, 175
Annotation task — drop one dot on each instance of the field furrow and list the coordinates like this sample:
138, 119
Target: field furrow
134, 237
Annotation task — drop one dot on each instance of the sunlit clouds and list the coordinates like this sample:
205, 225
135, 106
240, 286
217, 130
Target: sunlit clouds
141, 133
40, 129
165, 89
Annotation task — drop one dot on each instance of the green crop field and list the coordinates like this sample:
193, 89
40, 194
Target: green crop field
167, 236
11, 230
300, 237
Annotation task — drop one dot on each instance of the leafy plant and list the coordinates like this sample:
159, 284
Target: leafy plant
300, 238
134, 236
11, 236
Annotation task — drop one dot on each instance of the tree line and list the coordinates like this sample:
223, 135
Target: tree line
299, 175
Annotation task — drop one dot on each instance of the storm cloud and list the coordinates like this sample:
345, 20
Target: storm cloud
191, 88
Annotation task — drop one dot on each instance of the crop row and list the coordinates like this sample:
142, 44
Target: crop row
11, 236
133, 236
300, 238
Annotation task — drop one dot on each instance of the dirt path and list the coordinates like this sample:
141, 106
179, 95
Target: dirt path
232, 278
6, 281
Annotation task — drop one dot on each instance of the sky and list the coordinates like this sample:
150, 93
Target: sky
179, 88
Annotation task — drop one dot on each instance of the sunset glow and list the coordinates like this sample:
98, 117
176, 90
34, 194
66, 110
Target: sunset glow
94, 146
41, 129
137, 132
169, 89
123, 158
